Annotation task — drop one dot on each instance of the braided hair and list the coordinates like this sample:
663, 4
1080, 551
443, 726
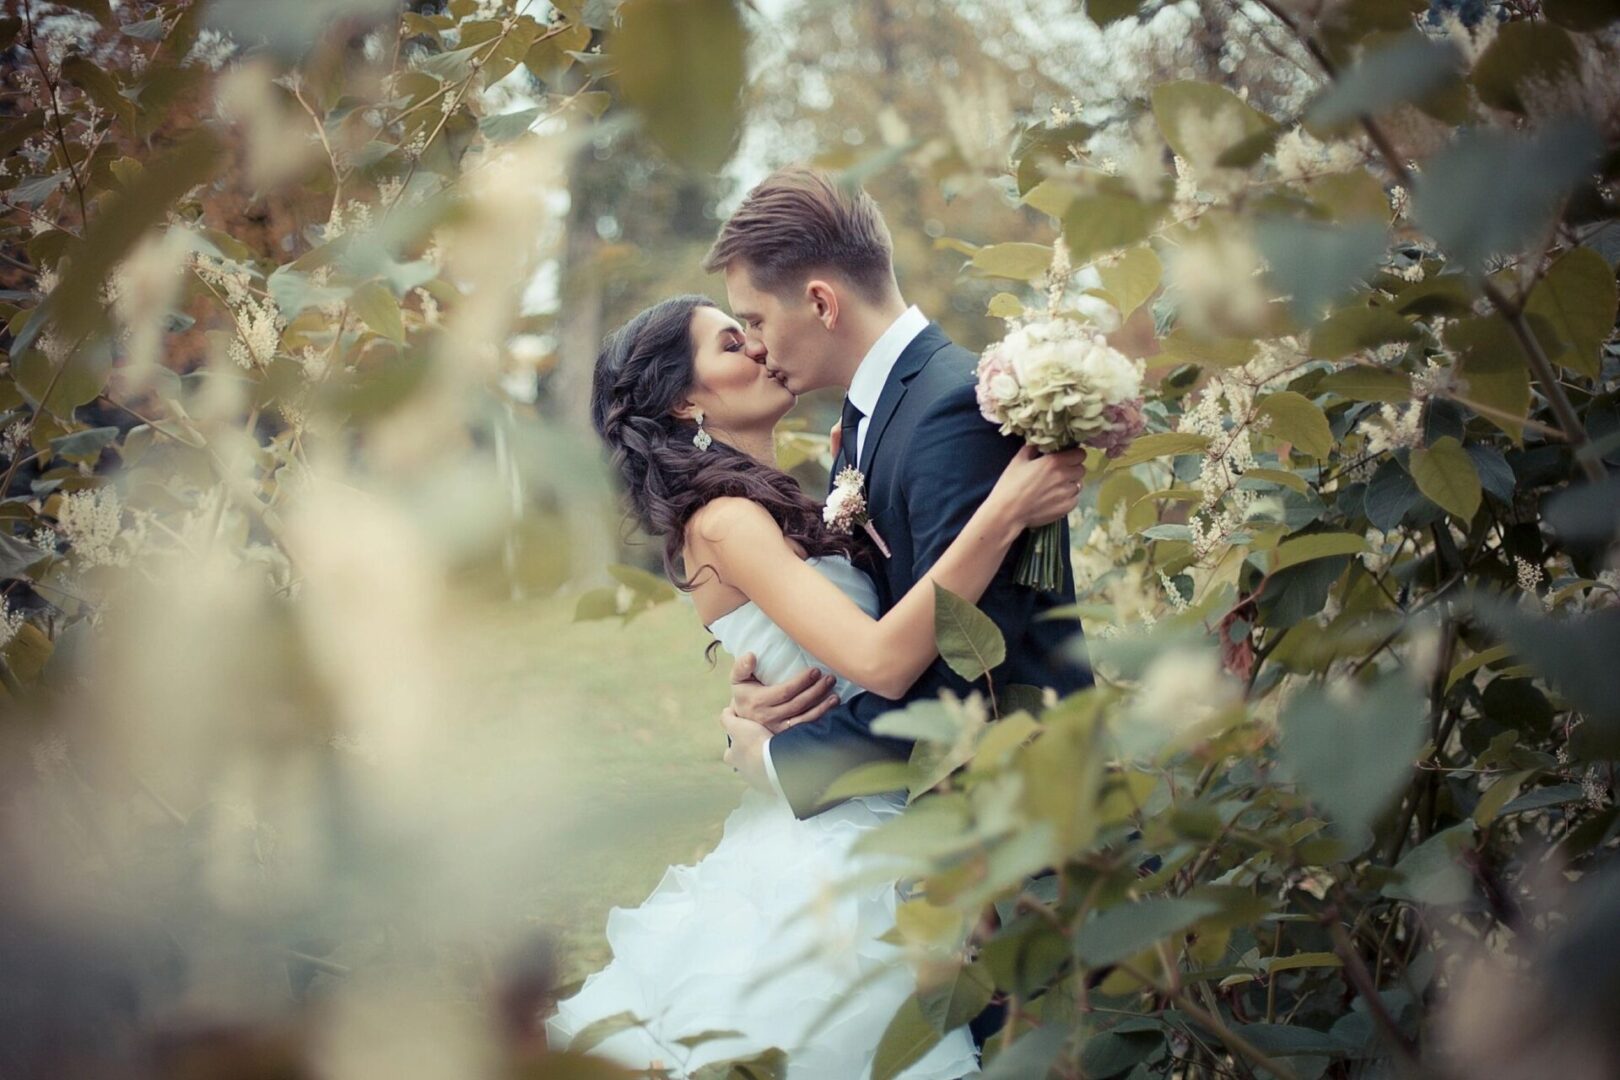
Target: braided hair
644, 370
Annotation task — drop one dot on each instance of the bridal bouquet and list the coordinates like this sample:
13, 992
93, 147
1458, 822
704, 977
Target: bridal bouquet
1058, 385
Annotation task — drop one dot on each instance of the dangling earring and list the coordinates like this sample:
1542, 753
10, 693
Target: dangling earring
702, 439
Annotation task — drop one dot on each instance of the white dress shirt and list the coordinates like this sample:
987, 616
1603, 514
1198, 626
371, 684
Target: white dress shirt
865, 388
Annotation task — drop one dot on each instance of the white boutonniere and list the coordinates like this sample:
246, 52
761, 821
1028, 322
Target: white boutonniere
846, 507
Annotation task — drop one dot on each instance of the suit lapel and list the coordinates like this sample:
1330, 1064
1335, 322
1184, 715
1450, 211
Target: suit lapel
911, 361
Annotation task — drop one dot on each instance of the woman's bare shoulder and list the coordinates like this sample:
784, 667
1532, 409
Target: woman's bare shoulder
729, 517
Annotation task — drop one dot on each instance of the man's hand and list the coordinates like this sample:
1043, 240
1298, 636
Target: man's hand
805, 697
746, 752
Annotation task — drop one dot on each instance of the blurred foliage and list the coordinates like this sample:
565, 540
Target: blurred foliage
1342, 802
1350, 758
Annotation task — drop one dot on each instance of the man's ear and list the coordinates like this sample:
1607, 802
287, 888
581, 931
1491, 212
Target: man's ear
823, 299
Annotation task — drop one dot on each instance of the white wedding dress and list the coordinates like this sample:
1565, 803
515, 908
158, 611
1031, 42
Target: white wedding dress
754, 939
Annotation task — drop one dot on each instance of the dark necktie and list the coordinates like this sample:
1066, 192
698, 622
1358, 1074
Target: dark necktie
851, 427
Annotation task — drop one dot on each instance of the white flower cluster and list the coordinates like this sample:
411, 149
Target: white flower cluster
1299, 156
1436, 380
1225, 416
260, 334
11, 439
10, 622
1182, 690
259, 322
211, 49
93, 521
351, 216
1057, 384
1395, 427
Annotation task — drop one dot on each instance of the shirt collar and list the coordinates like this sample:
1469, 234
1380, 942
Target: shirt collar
867, 384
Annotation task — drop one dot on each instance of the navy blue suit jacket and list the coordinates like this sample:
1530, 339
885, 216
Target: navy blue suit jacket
930, 459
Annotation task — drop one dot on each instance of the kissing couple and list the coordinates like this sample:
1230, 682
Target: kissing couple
776, 939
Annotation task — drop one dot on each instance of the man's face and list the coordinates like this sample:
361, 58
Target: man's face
784, 334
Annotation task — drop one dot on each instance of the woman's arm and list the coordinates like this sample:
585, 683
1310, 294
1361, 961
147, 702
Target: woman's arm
748, 550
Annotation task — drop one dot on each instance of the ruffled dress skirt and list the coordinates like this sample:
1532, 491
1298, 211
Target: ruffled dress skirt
755, 940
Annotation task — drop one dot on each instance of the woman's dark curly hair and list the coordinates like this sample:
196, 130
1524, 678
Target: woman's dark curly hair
644, 370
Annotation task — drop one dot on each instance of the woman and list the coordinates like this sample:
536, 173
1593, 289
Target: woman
755, 941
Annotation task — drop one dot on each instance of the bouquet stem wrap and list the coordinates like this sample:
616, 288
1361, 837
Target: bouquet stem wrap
1041, 564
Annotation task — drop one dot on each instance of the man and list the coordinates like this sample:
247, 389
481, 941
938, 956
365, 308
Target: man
809, 273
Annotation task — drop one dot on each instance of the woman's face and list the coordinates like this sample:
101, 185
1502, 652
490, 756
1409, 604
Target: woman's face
736, 393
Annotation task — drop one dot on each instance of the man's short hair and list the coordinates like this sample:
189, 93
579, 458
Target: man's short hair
797, 220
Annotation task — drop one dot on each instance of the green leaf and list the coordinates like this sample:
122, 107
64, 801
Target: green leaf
1411, 68
873, 778
1576, 656
36, 190
1005, 305
907, 1038
598, 1031
968, 639
379, 310
1582, 15
595, 605
83, 374
1390, 495
1180, 106
1356, 329
1110, 1053
1351, 757
1020, 261
293, 291
1191, 348
680, 65
1299, 420
1132, 278
1522, 55
1032, 1054
1103, 12
770, 1064
1577, 298
958, 999
1351, 196
1276, 964
508, 126
1543, 798
16, 556
1364, 382
1106, 220
1063, 771
702, 1037
1431, 873
1148, 447
1493, 191
1117, 933
1288, 1040
1446, 474
1301, 549
1318, 265
84, 445
1051, 197
1493, 365
925, 719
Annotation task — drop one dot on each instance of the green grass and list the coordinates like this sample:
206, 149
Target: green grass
626, 719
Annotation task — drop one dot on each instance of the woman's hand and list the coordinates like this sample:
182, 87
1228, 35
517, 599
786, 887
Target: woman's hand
1037, 489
